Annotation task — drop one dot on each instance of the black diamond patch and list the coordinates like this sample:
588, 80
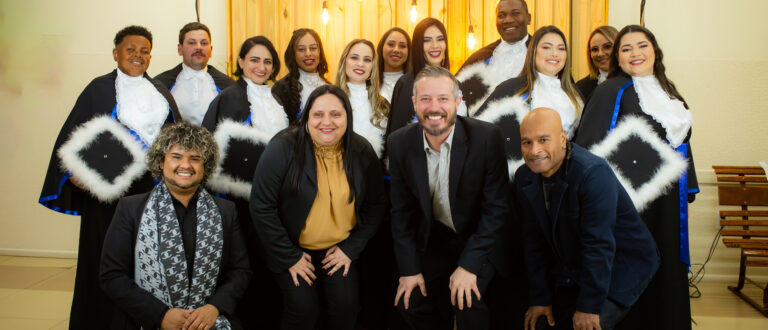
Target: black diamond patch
510, 130
107, 155
247, 156
637, 160
473, 90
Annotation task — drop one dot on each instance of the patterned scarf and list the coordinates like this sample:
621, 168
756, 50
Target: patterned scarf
161, 266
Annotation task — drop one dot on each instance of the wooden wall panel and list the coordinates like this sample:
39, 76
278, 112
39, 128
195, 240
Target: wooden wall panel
352, 19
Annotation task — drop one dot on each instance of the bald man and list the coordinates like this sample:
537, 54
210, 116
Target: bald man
588, 253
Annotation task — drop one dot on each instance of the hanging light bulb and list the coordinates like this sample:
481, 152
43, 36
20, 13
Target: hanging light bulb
325, 13
414, 13
471, 38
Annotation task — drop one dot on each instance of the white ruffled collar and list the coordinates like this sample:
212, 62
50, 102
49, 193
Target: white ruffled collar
670, 113
548, 93
309, 81
140, 106
193, 91
189, 73
508, 59
267, 115
361, 116
516, 47
388, 85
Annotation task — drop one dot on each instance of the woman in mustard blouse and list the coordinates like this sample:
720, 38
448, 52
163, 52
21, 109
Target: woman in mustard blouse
318, 197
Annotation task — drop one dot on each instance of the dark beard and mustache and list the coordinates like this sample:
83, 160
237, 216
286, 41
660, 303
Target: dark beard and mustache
437, 131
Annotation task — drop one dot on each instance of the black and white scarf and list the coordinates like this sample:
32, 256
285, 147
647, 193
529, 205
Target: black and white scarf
161, 265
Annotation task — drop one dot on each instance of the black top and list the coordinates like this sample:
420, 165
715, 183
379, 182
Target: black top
168, 78
279, 214
478, 193
401, 111
187, 216
586, 86
285, 96
139, 308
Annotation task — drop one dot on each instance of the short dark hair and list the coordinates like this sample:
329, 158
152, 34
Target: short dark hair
192, 27
188, 137
133, 30
259, 40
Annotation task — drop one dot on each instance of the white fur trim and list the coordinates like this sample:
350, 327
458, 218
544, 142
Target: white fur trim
513, 165
226, 130
508, 106
672, 164
489, 77
82, 137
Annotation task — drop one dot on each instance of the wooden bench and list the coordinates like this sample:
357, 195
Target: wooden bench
747, 229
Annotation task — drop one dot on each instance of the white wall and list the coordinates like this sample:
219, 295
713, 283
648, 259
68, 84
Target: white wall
50, 51
714, 51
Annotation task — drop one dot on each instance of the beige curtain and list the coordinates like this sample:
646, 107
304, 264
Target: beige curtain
369, 19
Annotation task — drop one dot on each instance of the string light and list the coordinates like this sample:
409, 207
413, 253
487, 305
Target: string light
414, 13
325, 13
471, 38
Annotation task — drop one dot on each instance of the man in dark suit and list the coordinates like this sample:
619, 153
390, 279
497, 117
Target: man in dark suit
449, 198
194, 83
174, 257
588, 253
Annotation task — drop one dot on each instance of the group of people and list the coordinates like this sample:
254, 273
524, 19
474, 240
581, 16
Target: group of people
398, 197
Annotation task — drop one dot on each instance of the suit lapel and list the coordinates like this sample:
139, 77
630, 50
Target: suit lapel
419, 172
535, 196
309, 163
458, 155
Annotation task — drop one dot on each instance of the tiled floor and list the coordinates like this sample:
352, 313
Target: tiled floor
36, 293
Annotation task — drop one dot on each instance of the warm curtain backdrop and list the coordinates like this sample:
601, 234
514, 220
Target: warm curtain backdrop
369, 19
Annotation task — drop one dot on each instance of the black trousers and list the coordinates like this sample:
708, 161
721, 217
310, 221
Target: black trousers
564, 306
435, 310
331, 302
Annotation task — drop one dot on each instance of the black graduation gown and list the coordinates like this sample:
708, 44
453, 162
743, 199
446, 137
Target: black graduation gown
261, 305
91, 308
282, 92
586, 86
510, 126
665, 304
168, 78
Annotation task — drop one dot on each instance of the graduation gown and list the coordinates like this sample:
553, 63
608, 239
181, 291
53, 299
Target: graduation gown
168, 78
261, 304
282, 92
586, 86
665, 303
91, 308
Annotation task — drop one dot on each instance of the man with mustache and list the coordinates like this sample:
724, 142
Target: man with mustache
194, 83
588, 253
138, 104
449, 196
508, 53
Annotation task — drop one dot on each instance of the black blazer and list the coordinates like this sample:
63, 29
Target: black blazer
279, 215
598, 236
478, 193
168, 78
138, 308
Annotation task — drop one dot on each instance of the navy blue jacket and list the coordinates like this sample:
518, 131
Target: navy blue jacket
595, 234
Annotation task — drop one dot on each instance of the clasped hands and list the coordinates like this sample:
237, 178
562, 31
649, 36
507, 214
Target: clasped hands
203, 317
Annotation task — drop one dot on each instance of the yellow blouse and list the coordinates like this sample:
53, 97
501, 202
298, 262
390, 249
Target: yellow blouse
332, 216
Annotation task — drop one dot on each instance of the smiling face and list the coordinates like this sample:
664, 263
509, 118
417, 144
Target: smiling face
512, 20
183, 170
196, 49
308, 53
359, 63
600, 51
132, 55
435, 105
257, 64
636, 55
327, 121
434, 46
551, 54
395, 52
542, 141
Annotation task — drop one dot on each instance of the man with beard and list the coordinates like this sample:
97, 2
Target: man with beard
508, 53
449, 197
174, 257
194, 83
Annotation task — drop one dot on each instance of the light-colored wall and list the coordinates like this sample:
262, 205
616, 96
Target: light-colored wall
50, 51
715, 55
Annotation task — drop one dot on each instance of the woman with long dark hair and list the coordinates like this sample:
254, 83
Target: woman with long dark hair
394, 51
248, 109
638, 90
305, 59
430, 47
599, 47
318, 197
